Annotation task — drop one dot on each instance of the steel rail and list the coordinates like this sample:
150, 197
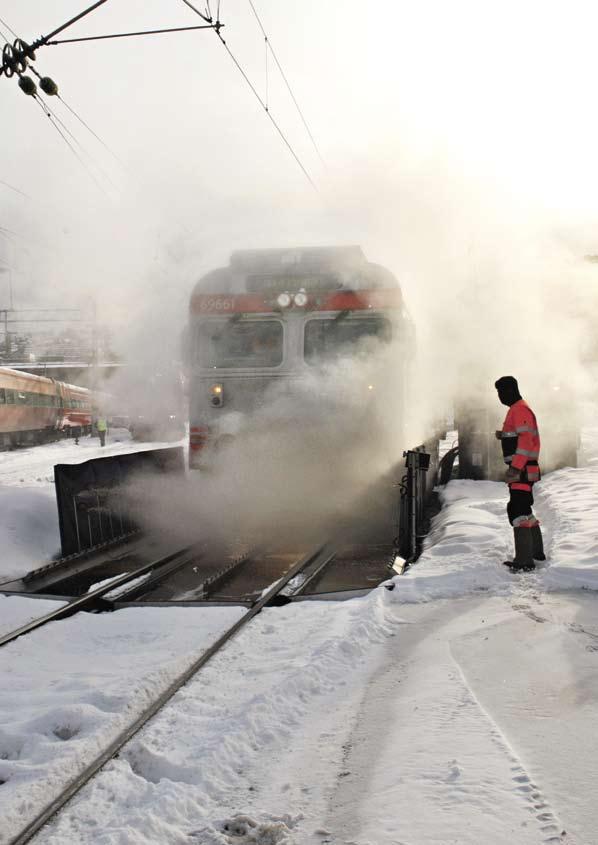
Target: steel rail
137, 591
26, 834
314, 575
91, 598
156, 577
84, 556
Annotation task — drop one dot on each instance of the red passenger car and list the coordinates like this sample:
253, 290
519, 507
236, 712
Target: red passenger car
35, 409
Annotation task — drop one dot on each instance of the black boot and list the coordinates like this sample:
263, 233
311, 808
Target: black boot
523, 560
537, 544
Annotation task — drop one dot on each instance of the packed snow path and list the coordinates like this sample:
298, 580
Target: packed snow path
472, 743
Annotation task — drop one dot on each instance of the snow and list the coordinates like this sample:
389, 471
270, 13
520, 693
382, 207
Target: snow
16, 611
28, 529
457, 707
70, 687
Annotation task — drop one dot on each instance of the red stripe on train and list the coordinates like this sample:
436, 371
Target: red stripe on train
361, 300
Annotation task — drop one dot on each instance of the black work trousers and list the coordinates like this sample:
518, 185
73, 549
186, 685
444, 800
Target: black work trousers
520, 504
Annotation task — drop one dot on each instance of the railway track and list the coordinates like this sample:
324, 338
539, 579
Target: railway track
303, 570
94, 599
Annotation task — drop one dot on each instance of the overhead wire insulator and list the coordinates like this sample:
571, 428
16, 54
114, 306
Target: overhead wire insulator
24, 49
48, 86
8, 60
27, 85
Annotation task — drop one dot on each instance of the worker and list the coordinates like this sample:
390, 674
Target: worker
520, 440
102, 427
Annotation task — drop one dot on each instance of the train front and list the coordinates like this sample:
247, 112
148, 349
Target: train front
282, 338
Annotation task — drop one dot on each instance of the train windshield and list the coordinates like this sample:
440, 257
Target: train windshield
339, 337
241, 343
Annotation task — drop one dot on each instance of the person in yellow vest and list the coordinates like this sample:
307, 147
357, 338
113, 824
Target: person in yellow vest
102, 427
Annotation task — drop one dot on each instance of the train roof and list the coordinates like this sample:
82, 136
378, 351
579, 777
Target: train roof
315, 268
8, 372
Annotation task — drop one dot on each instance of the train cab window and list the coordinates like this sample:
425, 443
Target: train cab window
325, 340
2, 396
10, 397
255, 343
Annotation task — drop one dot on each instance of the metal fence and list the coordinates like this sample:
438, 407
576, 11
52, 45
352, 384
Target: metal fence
93, 506
416, 494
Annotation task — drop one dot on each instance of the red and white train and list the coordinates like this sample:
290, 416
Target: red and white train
35, 409
273, 319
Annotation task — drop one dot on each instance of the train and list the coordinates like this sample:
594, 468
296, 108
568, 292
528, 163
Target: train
262, 326
35, 409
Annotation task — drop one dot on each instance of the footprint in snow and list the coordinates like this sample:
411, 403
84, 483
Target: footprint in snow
244, 830
454, 771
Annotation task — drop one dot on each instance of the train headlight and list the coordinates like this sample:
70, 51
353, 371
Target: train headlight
217, 392
283, 300
301, 299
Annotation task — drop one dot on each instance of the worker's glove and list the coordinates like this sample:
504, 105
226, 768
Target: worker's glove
498, 435
512, 475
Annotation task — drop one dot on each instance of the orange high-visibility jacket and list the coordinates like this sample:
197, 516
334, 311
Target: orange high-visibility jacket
521, 444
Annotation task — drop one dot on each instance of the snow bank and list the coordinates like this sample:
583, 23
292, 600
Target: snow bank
464, 551
471, 537
28, 530
570, 498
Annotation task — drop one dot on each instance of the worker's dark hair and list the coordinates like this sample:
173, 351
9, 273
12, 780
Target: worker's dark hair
508, 390
508, 382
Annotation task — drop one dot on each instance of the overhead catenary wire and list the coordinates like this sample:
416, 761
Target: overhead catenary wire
9, 29
269, 113
266, 58
261, 101
75, 140
286, 82
50, 117
12, 188
3, 34
80, 119
207, 18
89, 129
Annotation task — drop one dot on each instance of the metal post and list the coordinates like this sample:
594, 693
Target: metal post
77, 523
100, 515
412, 471
93, 385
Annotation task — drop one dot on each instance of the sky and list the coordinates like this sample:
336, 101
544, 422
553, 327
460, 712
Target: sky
459, 145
